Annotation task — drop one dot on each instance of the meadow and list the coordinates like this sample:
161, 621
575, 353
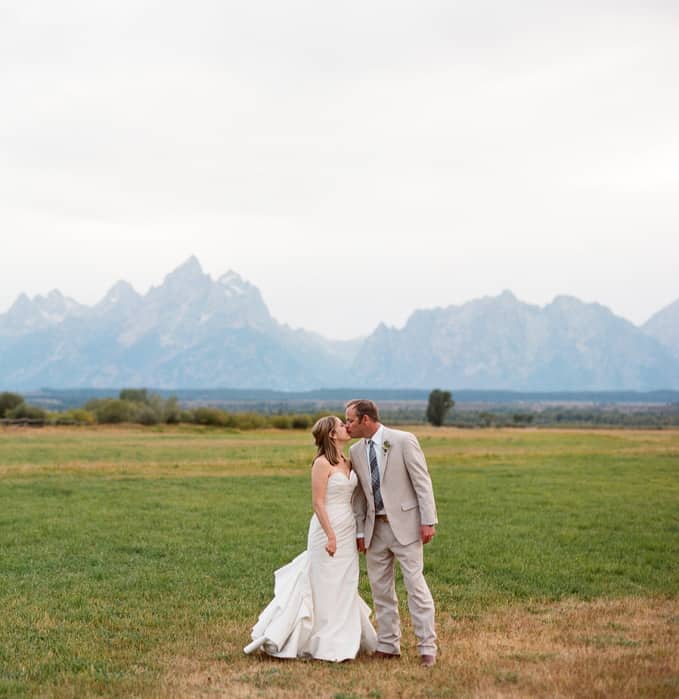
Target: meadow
133, 562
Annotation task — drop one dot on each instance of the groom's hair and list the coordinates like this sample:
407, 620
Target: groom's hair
363, 406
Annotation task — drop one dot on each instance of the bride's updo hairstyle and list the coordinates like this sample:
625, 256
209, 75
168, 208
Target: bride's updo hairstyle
323, 431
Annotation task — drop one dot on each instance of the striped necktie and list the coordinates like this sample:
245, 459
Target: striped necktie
375, 476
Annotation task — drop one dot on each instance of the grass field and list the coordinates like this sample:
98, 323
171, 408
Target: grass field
133, 562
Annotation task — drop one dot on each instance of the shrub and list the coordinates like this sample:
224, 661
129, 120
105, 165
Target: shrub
135, 395
147, 415
77, 416
522, 419
301, 422
111, 410
9, 401
210, 416
281, 422
186, 416
249, 421
172, 415
23, 411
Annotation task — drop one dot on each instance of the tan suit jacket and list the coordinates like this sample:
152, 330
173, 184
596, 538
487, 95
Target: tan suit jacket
405, 485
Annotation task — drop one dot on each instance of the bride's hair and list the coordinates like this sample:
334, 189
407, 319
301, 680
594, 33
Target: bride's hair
322, 432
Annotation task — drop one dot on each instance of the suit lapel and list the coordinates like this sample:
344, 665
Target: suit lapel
386, 451
362, 465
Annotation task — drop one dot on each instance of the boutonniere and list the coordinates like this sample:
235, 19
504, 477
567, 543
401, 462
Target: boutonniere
386, 446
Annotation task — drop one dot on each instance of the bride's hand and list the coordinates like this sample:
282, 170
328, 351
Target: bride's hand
331, 546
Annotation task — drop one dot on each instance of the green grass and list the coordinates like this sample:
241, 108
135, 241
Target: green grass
116, 550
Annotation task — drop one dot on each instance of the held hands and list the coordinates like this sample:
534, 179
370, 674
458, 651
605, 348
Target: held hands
331, 546
427, 533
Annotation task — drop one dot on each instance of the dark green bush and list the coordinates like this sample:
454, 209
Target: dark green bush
77, 416
281, 422
249, 421
301, 422
171, 413
111, 410
186, 416
210, 416
147, 415
135, 395
24, 411
9, 401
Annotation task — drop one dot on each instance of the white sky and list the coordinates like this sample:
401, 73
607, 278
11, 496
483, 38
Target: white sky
353, 160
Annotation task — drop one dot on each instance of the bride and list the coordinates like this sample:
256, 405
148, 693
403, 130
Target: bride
316, 611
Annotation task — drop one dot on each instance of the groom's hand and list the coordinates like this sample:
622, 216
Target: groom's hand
427, 532
360, 544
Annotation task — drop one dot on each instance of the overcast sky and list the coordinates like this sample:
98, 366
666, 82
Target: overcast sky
353, 160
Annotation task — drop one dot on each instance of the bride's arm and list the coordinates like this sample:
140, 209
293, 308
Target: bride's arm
320, 472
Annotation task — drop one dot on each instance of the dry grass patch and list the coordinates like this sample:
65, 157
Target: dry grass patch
607, 648
619, 648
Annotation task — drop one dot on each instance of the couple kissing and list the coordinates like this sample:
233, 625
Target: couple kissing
378, 501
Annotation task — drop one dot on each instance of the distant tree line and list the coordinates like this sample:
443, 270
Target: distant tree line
658, 418
140, 406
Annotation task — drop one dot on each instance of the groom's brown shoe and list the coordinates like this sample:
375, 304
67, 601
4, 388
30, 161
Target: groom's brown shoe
427, 660
386, 656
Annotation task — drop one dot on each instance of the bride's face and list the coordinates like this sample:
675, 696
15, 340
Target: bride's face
340, 432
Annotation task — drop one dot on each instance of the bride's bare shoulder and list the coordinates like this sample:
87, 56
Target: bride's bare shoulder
321, 462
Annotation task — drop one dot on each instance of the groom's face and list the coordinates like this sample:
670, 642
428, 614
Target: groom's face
355, 427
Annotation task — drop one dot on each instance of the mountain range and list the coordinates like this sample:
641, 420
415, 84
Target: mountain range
194, 331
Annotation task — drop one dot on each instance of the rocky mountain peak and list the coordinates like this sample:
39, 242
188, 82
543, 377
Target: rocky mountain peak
664, 327
57, 305
507, 296
121, 294
187, 272
234, 285
565, 302
185, 282
22, 304
195, 331
27, 314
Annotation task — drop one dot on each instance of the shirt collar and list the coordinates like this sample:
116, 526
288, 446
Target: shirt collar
378, 437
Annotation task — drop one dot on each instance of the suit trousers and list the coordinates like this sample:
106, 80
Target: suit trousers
381, 555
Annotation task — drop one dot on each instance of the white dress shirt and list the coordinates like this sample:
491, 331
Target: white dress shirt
378, 439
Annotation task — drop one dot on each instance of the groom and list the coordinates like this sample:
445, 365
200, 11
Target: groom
395, 515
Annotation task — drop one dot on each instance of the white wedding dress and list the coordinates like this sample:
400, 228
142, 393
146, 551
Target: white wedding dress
316, 611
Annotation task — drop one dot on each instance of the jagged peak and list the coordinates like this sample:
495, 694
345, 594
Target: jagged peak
189, 275
383, 329
22, 302
187, 269
191, 262
505, 297
665, 312
56, 302
234, 284
230, 276
22, 298
55, 299
566, 300
121, 290
122, 287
